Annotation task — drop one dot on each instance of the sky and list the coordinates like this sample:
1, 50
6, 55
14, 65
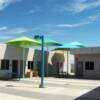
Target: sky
61, 20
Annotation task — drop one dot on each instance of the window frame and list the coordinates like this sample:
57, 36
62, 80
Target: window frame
5, 64
30, 65
89, 66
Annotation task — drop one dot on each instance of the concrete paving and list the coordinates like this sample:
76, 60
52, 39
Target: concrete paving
55, 88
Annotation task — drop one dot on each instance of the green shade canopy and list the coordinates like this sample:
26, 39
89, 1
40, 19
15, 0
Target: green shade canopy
23, 42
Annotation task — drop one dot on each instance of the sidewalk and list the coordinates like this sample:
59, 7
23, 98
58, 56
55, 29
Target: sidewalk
12, 97
68, 89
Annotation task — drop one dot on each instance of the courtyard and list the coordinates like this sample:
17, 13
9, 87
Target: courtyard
60, 89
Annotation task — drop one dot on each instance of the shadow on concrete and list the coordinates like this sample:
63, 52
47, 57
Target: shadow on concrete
91, 95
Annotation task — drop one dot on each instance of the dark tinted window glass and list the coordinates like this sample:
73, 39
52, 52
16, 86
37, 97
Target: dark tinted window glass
30, 65
5, 64
87, 65
91, 65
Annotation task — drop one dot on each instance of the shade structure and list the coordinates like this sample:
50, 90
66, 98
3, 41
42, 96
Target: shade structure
77, 44
50, 42
67, 47
71, 45
23, 42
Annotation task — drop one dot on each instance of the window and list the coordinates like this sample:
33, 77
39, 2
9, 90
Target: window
89, 65
30, 65
5, 64
92, 65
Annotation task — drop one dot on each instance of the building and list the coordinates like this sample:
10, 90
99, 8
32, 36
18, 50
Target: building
11, 61
87, 62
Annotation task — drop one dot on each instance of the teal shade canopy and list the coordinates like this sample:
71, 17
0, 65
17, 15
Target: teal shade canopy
50, 42
71, 45
77, 44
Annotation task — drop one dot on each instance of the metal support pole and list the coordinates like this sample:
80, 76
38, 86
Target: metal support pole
23, 64
67, 63
47, 60
42, 69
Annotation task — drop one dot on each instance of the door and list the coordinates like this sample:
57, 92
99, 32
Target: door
39, 67
57, 68
15, 68
79, 69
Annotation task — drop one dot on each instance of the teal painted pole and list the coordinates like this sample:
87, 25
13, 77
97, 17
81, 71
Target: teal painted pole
42, 68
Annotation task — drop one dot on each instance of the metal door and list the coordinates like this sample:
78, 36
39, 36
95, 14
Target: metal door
79, 69
14, 68
39, 68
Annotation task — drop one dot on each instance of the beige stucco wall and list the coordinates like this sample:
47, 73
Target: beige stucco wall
86, 50
61, 57
90, 57
16, 53
53, 59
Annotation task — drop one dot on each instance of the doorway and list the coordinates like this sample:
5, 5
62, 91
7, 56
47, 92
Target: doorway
79, 69
15, 68
39, 68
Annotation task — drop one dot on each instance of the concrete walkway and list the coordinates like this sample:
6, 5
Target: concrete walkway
60, 89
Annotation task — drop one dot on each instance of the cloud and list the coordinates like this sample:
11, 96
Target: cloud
3, 28
93, 17
73, 25
32, 11
5, 3
81, 5
89, 20
12, 31
16, 30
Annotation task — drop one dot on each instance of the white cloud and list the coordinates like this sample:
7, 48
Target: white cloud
93, 18
12, 31
17, 31
3, 28
73, 25
81, 5
32, 11
5, 3
35, 10
89, 20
